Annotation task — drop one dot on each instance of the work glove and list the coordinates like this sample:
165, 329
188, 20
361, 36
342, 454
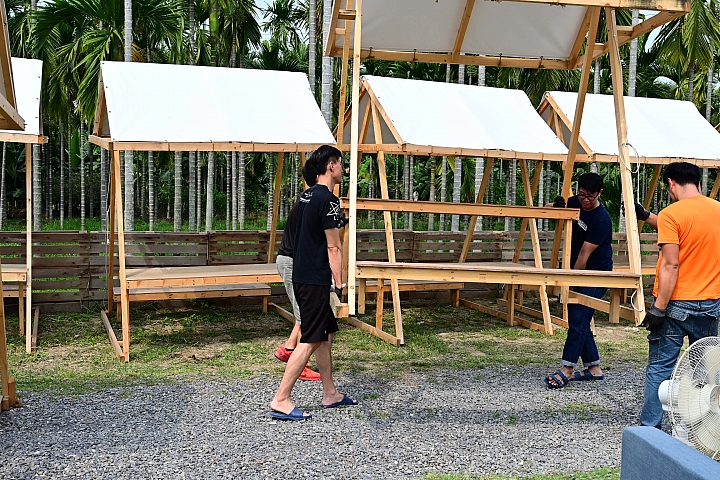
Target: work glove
343, 220
338, 292
559, 202
654, 318
641, 212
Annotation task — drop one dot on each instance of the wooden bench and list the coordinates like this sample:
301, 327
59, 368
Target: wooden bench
167, 283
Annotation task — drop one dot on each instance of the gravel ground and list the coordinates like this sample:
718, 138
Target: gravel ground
499, 420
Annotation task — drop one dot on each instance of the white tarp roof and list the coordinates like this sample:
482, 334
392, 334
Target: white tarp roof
657, 128
27, 74
181, 103
449, 115
512, 29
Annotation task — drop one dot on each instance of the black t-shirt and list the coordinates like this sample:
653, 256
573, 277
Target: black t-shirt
594, 227
318, 211
287, 246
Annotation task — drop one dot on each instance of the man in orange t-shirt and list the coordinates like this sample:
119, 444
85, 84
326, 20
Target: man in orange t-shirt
687, 281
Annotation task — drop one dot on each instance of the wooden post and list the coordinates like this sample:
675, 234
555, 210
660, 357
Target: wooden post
4, 369
473, 218
124, 294
523, 227
111, 240
28, 248
276, 207
575, 134
633, 237
389, 236
354, 164
716, 186
535, 239
650, 191
344, 75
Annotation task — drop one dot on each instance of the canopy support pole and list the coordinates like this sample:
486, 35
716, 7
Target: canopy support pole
276, 208
473, 218
30, 342
650, 192
633, 237
354, 141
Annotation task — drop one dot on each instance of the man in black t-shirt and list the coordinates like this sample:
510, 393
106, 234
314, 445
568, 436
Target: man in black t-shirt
590, 249
317, 262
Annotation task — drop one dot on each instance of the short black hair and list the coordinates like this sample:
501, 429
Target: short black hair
309, 174
590, 182
683, 173
320, 158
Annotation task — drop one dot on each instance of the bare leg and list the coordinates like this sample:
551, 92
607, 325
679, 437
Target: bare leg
294, 337
281, 402
323, 356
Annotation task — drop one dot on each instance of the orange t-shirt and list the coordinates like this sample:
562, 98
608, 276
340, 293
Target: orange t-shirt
694, 224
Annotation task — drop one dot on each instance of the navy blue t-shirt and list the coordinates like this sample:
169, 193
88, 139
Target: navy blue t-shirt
318, 210
593, 227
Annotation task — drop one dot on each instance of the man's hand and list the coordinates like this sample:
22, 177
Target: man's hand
641, 212
654, 318
559, 202
343, 220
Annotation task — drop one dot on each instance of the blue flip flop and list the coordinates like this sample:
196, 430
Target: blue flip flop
296, 415
345, 401
559, 378
586, 375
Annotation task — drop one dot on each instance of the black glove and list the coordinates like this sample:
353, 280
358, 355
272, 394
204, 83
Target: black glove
654, 318
559, 202
641, 212
338, 292
343, 220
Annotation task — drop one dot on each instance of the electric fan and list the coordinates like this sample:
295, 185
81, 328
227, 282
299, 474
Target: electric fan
692, 396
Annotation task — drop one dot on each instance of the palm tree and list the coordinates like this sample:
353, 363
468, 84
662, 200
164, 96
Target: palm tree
284, 20
312, 42
326, 103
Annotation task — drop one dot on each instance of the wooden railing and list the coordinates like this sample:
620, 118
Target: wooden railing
70, 268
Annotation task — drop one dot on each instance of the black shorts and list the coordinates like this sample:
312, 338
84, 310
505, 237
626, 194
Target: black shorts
318, 320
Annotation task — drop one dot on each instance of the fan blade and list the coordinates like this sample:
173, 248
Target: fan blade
706, 434
711, 359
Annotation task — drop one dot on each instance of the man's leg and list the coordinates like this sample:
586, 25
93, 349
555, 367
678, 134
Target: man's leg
590, 355
281, 402
323, 356
663, 351
578, 328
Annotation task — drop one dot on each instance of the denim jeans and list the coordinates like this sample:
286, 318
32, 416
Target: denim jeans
580, 342
694, 319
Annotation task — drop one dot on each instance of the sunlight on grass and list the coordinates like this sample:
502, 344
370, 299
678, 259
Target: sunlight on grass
599, 474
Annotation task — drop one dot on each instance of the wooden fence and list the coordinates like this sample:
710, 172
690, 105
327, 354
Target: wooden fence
70, 268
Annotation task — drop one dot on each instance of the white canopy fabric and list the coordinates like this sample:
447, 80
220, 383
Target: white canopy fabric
27, 75
181, 103
657, 128
439, 114
512, 29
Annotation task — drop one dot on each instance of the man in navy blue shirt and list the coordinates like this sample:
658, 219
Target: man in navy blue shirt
590, 250
317, 262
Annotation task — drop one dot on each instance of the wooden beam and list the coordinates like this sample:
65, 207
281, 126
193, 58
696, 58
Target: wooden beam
670, 5
464, 20
100, 110
28, 247
572, 146
478, 200
333, 23
650, 191
383, 114
343, 79
276, 208
111, 241
354, 160
125, 301
513, 211
373, 330
633, 237
4, 368
111, 335
569, 125
716, 186
523, 227
108, 144
580, 37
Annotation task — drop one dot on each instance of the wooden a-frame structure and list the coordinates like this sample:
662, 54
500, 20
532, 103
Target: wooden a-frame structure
525, 33
9, 119
285, 119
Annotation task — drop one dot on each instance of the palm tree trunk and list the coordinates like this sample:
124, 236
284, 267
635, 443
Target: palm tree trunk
326, 101
103, 188
70, 183
431, 216
596, 76
129, 191
312, 43
708, 114
198, 202
192, 195
406, 190
209, 214
479, 173
83, 153
177, 201
241, 190
691, 82
457, 174
228, 189
411, 187
371, 193
3, 195
234, 192
152, 213
632, 67
37, 188
271, 176
143, 184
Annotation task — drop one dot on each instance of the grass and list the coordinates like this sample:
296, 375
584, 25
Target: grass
170, 345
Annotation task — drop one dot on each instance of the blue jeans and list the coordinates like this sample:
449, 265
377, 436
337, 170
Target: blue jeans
580, 342
694, 319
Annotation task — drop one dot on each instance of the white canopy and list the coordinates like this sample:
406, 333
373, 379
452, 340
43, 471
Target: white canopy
448, 115
657, 128
189, 104
28, 85
515, 29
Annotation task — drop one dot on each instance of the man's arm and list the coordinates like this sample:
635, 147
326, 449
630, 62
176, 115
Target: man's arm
335, 254
583, 256
667, 273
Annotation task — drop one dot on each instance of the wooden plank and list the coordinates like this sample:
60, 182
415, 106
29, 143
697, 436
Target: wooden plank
36, 321
460, 37
354, 160
537, 314
333, 23
580, 39
650, 191
282, 312
716, 186
375, 331
111, 335
502, 315
478, 200
625, 173
199, 291
343, 80
28, 248
517, 211
125, 302
276, 207
603, 305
